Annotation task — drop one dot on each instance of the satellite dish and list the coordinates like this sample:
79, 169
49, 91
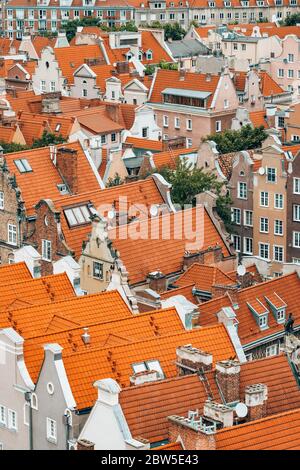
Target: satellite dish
111, 214
241, 410
241, 270
154, 210
261, 170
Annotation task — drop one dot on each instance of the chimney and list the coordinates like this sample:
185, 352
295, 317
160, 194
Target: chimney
190, 360
51, 103
195, 433
67, 165
181, 74
270, 114
218, 412
157, 281
256, 397
122, 67
208, 77
86, 337
113, 111
143, 377
228, 379
84, 444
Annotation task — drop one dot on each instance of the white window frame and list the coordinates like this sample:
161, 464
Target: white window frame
236, 210
189, 124
246, 251
50, 426
275, 247
46, 250
218, 126
296, 236
264, 245
266, 196
3, 415
12, 420
277, 197
276, 225
248, 213
264, 225
12, 234
272, 350
1, 200
242, 194
296, 212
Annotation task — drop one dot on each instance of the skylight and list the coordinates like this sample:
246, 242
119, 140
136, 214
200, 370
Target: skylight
152, 364
77, 215
57, 128
23, 165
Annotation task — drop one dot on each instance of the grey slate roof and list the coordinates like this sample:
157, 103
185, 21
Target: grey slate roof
187, 48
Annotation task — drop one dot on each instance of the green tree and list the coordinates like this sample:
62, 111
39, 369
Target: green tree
224, 211
292, 20
48, 139
115, 181
9, 148
234, 141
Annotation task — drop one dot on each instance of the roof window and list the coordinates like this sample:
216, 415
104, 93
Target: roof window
152, 364
23, 165
77, 215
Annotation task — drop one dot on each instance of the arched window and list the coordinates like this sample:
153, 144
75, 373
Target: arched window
34, 401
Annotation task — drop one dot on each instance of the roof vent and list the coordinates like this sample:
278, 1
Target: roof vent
86, 337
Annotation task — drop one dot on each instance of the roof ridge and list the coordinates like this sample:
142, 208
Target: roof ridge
41, 279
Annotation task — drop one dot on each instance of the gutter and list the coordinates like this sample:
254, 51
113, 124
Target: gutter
266, 339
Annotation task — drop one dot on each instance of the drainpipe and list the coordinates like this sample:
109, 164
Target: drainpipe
28, 400
67, 423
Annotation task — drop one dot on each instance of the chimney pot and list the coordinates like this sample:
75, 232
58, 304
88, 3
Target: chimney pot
86, 337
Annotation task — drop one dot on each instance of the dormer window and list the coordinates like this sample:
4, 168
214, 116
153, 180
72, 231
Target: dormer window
277, 307
149, 54
227, 3
260, 3
211, 4
263, 321
245, 3
260, 312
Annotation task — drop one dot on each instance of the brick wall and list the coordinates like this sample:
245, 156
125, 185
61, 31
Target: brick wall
192, 440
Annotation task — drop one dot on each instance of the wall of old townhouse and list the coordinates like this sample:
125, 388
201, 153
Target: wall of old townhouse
48, 71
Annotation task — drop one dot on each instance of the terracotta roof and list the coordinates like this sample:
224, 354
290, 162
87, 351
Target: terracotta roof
146, 144
191, 81
267, 85
84, 368
277, 374
141, 192
156, 251
6, 44
146, 407
286, 287
204, 277
28, 292
171, 446
40, 42
249, 269
70, 58
57, 125
266, 29
169, 157
202, 31
258, 118
225, 161
42, 182
7, 133
186, 291
10, 272
279, 432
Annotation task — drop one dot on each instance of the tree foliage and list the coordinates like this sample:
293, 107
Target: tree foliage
12, 147
47, 139
224, 211
234, 141
292, 20
172, 30
71, 26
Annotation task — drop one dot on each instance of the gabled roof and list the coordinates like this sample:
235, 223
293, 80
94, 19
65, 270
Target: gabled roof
162, 252
35, 291
10, 272
41, 182
204, 277
186, 291
287, 287
191, 81
277, 432
84, 368
267, 85
258, 118
146, 144
169, 157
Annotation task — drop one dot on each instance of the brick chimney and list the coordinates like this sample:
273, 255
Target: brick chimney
228, 379
113, 111
218, 412
157, 281
270, 114
196, 433
256, 398
122, 67
84, 444
190, 359
67, 165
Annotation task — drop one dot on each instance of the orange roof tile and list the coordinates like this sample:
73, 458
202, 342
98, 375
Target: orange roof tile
169, 157
157, 250
9, 273
84, 368
42, 182
191, 81
186, 291
28, 292
170, 446
146, 144
7, 133
204, 277
258, 118
277, 432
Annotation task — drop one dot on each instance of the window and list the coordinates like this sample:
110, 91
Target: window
296, 213
189, 143
52, 86
278, 253
264, 225
272, 350
290, 73
281, 315
97, 270
236, 215
2, 415
149, 55
84, 92
262, 321
23, 165
244, 47
152, 364
218, 126
264, 250
189, 124
77, 215
296, 239
113, 137
145, 132
12, 420
296, 185
278, 227
236, 239
280, 73
103, 139
51, 430
43, 86
271, 175
177, 123
12, 234
290, 57
248, 245
46, 250
278, 201
1, 200
165, 121
242, 190
226, 104
248, 218
264, 199
235, 46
